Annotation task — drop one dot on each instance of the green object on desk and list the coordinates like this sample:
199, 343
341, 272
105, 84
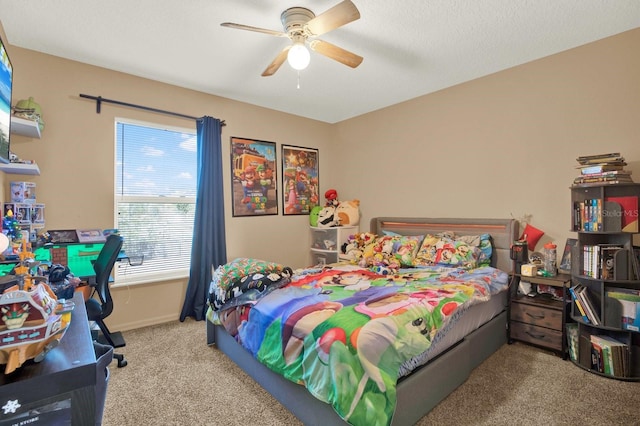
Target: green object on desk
5, 268
80, 258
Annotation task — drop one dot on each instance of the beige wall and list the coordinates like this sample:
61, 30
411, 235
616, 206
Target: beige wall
498, 146
76, 160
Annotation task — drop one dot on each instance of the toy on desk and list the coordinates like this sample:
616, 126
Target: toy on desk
33, 320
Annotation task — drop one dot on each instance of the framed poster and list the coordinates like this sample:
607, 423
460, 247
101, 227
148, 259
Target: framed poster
90, 236
254, 174
565, 263
300, 180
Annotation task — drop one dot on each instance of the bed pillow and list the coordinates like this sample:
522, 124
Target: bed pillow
484, 243
437, 250
405, 248
380, 253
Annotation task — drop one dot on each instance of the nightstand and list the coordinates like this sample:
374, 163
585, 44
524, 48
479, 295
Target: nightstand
539, 318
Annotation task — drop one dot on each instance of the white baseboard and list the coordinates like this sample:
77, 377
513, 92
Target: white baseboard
144, 322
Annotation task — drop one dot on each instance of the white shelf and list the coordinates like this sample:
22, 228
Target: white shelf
20, 169
28, 128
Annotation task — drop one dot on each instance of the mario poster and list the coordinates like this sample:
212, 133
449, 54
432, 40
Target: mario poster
300, 179
253, 165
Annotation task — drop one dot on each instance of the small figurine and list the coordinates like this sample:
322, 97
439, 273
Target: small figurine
332, 198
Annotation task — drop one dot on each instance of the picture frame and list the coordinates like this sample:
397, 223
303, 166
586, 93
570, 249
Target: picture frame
300, 179
565, 262
254, 189
90, 236
63, 236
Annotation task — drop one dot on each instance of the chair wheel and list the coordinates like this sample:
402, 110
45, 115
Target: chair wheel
122, 363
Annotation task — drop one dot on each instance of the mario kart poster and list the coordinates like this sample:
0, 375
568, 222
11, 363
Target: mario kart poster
300, 179
253, 165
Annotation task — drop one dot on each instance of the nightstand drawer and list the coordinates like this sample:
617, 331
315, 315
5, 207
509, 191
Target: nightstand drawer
537, 335
536, 315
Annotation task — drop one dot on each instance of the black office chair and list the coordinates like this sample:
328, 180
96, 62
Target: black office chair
101, 308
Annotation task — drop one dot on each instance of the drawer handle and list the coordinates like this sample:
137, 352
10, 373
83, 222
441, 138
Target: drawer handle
536, 336
539, 316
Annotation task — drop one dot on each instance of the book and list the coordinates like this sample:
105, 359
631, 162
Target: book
590, 309
606, 182
627, 302
604, 173
572, 340
597, 361
580, 308
600, 168
598, 156
612, 354
629, 211
609, 178
613, 157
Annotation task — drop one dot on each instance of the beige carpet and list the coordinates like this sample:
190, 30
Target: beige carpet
174, 378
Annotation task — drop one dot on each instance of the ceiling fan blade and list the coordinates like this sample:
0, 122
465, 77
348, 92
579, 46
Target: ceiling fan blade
336, 53
256, 29
337, 16
275, 65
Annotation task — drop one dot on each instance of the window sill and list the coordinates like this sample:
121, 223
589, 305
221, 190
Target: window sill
125, 281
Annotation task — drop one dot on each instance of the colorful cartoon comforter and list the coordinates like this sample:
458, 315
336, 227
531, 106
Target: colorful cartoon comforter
344, 331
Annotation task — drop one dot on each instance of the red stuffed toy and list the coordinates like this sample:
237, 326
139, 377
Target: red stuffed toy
332, 198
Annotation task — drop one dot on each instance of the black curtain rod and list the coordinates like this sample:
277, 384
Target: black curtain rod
100, 99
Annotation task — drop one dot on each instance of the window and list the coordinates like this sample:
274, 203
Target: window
155, 199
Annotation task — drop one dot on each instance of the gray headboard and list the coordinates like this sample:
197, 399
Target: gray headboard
503, 231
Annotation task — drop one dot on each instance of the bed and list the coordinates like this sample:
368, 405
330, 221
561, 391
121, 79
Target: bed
474, 331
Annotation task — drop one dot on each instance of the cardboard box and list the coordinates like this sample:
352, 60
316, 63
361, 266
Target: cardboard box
37, 213
23, 192
21, 212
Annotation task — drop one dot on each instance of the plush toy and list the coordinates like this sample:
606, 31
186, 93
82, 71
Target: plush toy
353, 249
348, 212
313, 216
327, 217
332, 198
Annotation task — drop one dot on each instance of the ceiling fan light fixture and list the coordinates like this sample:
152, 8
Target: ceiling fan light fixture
299, 56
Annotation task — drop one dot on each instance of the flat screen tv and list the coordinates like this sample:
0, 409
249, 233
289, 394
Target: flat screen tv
6, 85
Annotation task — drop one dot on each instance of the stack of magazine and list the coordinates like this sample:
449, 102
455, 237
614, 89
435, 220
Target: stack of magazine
602, 169
585, 305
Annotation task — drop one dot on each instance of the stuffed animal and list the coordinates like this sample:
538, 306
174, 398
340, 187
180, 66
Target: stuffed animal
313, 215
327, 217
348, 212
332, 198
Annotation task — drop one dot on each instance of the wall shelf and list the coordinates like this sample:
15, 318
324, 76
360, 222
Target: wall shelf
20, 169
23, 127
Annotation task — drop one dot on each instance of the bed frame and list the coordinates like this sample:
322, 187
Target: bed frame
420, 392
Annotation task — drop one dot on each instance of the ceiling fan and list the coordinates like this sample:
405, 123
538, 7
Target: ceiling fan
301, 25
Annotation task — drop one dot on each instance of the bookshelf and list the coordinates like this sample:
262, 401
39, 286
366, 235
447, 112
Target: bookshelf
604, 337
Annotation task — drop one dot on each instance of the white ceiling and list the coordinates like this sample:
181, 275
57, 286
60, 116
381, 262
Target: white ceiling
410, 47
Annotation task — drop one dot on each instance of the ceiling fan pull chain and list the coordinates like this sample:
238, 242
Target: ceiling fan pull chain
298, 79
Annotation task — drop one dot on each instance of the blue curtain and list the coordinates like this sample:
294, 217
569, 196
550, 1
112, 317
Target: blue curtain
209, 248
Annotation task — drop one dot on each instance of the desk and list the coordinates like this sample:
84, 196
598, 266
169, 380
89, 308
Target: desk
65, 379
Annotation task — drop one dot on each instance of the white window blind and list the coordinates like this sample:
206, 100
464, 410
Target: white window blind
155, 199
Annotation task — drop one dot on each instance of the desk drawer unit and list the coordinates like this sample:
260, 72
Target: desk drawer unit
536, 324
541, 336
537, 315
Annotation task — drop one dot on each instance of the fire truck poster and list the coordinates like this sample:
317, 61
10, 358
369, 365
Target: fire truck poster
253, 165
300, 179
